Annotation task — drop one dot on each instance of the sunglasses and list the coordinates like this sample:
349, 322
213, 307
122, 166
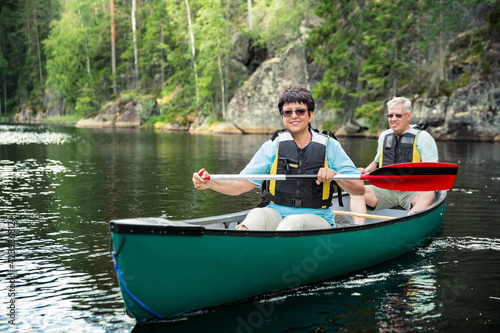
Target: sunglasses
298, 112
397, 115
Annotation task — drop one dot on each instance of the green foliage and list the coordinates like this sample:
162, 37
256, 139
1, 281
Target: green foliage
213, 53
448, 87
64, 51
330, 125
374, 50
148, 106
373, 113
155, 119
66, 119
276, 24
371, 50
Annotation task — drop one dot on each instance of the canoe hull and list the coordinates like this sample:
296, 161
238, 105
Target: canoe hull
180, 269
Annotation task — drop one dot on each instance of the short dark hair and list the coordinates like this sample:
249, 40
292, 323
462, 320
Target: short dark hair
296, 95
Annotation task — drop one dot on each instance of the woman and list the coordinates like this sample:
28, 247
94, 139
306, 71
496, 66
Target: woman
293, 204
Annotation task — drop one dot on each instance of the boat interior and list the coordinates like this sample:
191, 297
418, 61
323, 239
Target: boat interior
230, 221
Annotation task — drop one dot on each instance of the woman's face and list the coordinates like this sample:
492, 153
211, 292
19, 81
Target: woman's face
296, 117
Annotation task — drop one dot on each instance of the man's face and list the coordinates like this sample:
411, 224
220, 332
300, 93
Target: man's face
398, 125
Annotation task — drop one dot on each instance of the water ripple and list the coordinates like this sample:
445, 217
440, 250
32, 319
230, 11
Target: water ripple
9, 138
25, 135
461, 243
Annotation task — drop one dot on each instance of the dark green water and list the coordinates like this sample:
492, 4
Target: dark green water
62, 185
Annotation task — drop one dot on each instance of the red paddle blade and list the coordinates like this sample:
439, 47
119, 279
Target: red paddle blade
422, 176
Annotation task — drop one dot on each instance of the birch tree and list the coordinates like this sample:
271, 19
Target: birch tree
38, 46
193, 52
134, 38
86, 43
249, 6
213, 55
113, 47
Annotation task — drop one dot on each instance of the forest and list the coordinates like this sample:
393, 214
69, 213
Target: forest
81, 54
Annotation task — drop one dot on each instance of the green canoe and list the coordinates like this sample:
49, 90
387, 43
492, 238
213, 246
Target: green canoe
168, 267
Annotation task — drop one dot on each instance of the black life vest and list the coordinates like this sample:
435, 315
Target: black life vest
290, 159
402, 150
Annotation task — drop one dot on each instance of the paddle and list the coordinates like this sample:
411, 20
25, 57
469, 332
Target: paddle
368, 216
422, 176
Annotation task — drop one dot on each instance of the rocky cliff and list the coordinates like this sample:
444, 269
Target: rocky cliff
253, 109
115, 114
471, 112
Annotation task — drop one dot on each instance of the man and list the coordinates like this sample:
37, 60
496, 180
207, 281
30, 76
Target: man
399, 144
293, 205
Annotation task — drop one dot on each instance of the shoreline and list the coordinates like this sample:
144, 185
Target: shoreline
228, 130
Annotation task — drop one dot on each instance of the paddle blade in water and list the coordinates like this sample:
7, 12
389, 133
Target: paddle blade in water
423, 176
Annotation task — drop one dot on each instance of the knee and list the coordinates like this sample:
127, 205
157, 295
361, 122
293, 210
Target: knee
426, 197
370, 197
261, 219
254, 220
292, 222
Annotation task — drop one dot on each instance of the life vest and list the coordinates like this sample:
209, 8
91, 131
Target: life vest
402, 150
292, 160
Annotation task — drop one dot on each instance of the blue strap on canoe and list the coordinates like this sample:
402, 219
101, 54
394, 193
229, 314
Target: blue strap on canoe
120, 276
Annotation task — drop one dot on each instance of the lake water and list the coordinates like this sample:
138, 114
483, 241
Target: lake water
62, 185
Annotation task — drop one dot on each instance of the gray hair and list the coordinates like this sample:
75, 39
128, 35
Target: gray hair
400, 100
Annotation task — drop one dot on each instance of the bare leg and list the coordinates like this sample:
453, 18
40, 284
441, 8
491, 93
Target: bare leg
370, 197
421, 201
358, 205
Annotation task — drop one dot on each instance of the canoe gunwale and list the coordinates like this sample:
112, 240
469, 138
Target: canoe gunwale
194, 227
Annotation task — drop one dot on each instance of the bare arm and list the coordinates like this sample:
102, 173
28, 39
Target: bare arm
354, 187
229, 187
372, 166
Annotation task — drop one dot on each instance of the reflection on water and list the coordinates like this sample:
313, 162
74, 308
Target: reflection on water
62, 185
23, 135
53, 272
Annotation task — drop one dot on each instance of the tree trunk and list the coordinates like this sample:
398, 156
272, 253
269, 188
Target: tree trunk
304, 48
139, 25
193, 51
113, 53
134, 38
249, 4
359, 92
219, 65
440, 49
86, 44
226, 52
162, 67
38, 48
420, 28
395, 72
